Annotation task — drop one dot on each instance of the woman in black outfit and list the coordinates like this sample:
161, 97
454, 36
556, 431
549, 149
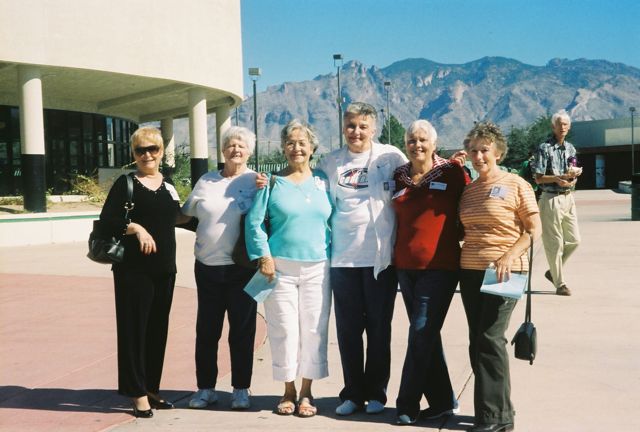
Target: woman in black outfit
144, 280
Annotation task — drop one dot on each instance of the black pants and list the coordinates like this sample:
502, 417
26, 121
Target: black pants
143, 303
427, 295
220, 290
488, 318
363, 303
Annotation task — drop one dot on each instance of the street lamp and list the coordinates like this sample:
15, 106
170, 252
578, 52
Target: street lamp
387, 86
337, 63
254, 73
632, 110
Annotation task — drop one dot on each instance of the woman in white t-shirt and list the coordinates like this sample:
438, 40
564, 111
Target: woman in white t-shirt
218, 200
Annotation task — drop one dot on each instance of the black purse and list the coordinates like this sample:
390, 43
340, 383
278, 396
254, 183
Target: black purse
525, 340
105, 248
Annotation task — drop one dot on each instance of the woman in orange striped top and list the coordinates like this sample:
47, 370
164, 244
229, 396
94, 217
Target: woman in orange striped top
499, 215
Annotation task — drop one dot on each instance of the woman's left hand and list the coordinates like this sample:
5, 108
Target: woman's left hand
503, 267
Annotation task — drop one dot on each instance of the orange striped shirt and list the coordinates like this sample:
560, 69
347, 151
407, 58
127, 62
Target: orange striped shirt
492, 214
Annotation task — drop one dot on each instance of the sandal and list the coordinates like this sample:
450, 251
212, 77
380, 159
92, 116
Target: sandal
306, 408
285, 407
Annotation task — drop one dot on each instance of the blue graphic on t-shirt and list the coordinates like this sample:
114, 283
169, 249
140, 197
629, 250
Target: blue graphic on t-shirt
355, 178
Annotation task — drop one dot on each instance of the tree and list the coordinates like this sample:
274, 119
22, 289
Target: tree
522, 141
397, 133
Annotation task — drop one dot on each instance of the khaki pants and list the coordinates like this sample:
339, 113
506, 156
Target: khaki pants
560, 233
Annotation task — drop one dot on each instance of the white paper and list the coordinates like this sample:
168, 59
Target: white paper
259, 287
512, 287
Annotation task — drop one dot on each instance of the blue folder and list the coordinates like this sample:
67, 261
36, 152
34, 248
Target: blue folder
259, 287
512, 287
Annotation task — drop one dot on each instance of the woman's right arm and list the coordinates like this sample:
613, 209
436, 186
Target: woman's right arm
256, 237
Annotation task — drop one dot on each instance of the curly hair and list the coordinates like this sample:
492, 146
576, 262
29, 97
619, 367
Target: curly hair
490, 132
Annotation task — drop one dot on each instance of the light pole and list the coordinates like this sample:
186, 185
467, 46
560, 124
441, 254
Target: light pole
254, 73
337, 62
387, 86
632, 110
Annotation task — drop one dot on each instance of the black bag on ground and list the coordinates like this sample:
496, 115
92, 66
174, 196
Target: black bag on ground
105, 248
525, 340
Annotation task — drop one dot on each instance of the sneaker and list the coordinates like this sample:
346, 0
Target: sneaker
404, 420
375, 407
203, 397
240, 399
432, 413
563, 291
347, 407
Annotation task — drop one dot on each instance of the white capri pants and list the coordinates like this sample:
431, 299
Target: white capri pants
297, 313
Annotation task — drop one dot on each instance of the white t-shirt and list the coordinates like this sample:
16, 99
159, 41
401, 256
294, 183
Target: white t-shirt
353, 234
218, 202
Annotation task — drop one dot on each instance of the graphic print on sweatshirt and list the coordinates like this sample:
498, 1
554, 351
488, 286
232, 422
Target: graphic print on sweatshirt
354, 178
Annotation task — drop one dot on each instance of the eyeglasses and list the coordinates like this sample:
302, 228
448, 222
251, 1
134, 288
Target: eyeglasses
153, 150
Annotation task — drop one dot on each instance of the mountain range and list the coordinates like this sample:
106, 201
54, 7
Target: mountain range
451, 96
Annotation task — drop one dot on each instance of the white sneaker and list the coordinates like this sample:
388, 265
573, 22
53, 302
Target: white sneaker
375, 407
346, 408
240, 399
203, 397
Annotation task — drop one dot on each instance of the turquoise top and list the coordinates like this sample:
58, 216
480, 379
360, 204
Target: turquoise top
298, 218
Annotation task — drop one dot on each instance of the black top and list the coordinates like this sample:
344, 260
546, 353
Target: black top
156, 211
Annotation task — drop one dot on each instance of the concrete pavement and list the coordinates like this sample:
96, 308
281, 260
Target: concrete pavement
54, 304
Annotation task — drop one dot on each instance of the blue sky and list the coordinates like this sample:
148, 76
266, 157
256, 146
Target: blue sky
294, 40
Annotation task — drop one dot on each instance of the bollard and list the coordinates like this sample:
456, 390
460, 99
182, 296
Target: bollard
635, 197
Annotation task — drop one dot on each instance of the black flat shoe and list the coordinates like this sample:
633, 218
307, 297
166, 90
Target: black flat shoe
493, 427
160, 404
142, 413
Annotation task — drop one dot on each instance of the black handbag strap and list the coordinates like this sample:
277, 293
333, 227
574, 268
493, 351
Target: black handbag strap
527, 314
128, 205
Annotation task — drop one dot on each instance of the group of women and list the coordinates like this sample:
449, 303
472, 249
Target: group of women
365, 220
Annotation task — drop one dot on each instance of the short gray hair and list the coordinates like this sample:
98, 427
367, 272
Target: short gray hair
240, 133
560, 115
296, 124
424, 126
362, 109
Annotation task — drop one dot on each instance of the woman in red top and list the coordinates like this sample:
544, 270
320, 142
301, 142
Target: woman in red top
427, 256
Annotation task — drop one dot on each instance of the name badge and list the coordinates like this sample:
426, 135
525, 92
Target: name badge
437, 185
399, 193
389, 185
244, 204
172, 191
498, 191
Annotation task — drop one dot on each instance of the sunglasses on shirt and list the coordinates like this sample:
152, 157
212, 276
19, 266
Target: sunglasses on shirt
153, 150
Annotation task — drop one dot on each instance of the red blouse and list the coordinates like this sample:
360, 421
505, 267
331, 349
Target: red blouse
427, 234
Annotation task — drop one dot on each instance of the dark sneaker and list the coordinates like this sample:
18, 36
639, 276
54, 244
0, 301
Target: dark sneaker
563, 291
547, 274
433, 413
405, 419
503, 427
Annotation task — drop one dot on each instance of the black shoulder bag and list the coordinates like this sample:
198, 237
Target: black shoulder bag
104, 248
525, 340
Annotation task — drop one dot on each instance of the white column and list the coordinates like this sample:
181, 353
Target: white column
198, 124
223, 122
32, 138
166, 125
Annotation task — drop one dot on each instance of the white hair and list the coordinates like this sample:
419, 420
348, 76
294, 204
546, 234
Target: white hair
560, 115
424, 126
240, 133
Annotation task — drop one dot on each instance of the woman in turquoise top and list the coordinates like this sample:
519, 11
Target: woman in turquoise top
295, 250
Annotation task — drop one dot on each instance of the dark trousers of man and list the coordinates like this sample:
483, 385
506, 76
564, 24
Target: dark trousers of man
427, 295
488, 318
364, 304
220, 290
143, 303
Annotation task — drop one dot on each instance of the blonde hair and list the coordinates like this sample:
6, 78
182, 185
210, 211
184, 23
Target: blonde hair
147, 134
490, 132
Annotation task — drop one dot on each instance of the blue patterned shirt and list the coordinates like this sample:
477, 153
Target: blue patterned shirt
551, 159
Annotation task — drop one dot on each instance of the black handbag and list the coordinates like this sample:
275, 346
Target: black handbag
239, 255
525, 340
105, 248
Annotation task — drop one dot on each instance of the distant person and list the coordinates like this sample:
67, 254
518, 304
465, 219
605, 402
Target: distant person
427, 259
526, 172
218, 200
556, 173
499, 216
144, 281
295, 250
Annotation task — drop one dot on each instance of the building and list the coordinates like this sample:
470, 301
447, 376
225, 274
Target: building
604, 151
76, 77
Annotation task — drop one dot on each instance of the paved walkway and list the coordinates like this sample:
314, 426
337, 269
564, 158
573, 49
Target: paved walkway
57, 346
